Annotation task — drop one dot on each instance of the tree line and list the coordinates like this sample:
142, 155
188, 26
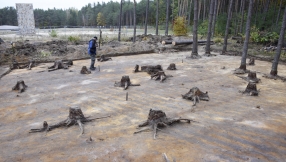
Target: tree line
266, 14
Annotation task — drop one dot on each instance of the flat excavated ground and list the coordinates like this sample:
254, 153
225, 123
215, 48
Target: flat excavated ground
229, 127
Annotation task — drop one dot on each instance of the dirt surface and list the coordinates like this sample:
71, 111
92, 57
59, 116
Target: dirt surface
229, 127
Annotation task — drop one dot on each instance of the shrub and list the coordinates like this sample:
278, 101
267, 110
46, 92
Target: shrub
263, 37
180, 27
203, 28
54, 33
45, 53
218, 40
74, 39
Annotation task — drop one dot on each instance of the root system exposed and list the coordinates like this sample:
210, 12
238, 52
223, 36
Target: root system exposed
195, 94
251, 90
75, 117
103, 58
59, 64
158, 118
172, 66
125, 82
20, 86
84, 70
160, 75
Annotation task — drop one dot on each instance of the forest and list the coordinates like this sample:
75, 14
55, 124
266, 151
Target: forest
267, 15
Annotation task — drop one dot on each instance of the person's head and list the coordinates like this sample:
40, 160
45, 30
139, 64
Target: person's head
95, 38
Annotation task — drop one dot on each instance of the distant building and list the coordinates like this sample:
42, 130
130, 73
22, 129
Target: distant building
25, 16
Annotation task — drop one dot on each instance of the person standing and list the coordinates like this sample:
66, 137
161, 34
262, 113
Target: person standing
92, 44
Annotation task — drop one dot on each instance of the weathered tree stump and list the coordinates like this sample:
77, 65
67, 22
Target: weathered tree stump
136, 69
172, 66
251, 90
20, 86
251, 77
251, 61
160, 75
196, 95
158, 118
125, 82
59, 64
103, 58
75, 117
84, 70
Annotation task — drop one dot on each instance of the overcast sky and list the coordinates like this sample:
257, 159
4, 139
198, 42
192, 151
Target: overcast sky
45, 4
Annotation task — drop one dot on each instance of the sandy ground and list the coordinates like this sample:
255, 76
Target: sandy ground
229, 127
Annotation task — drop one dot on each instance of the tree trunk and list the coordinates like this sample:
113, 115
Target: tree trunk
146, 18
247, 35
227, 27
190, 11
157, 16
208, 46
167, 17
134, 22
278, 13
264, 14
195, 29
120, 16
242, 16
214, 18
279, 46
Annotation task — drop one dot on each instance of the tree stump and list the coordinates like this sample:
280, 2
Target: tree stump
75, 117
20, 86
103, 58
251, 77
251, 61
158, 118
136, 69
196, 95
84, 70
125, 82
60, 65
172, 66
160, 75
251, 90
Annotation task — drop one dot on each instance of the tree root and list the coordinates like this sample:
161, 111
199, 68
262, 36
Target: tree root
21, 86
157, 118
125, 82
103, 58
75, 117
196, 95
160, 75
59, 64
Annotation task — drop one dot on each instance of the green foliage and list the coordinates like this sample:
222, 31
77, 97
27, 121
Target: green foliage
203, 28
74, 39
257, 36
45, 53
100, 19
54, 33
180, 27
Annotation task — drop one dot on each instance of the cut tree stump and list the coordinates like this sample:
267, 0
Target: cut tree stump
103, 58
251, 90
84, 70
75, 117
125, 82
172, 66
136, 69
251, 61
158, 118
251, 77
167, 42
160, 75
59, 64
20, 86
196, 95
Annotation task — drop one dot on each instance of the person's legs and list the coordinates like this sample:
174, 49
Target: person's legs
92, 57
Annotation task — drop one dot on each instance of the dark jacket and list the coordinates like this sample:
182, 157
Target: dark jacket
92, 46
